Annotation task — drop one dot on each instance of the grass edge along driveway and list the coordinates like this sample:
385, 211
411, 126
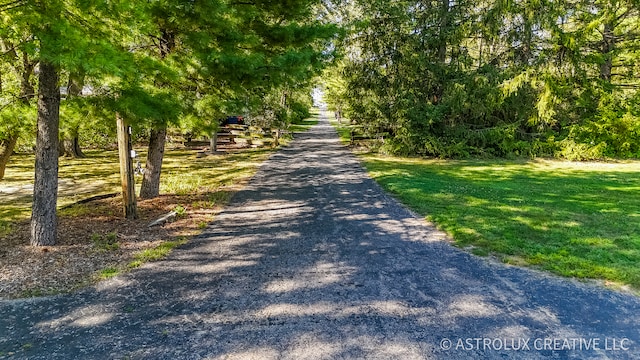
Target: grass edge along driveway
579, 220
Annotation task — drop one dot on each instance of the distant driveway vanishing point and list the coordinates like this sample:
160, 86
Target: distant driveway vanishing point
313, 261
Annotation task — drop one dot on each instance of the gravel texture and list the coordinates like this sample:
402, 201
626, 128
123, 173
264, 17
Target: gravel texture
313, 261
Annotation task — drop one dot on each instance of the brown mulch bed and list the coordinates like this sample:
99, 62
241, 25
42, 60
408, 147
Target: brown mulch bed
93, 237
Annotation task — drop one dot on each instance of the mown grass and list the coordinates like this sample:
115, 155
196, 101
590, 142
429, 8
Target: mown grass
195, 187
343, 127
98, 173
574, 219
182, 174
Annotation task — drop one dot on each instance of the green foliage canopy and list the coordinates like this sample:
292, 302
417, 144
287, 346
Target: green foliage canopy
496, 78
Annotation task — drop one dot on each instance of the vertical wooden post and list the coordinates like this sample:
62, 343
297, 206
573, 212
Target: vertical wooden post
277, 137
126, 169
214, 142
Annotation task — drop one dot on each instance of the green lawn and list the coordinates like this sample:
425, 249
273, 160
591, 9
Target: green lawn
574, 219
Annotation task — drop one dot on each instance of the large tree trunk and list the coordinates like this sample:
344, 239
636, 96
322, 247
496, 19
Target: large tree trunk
608, 45
151, 179
6, 149
70, 144
444, 24
45, 189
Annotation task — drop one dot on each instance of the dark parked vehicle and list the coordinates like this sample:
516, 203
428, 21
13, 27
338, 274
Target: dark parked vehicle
232, 120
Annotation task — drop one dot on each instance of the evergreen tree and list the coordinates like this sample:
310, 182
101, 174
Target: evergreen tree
231, 49
72, 122
61, 35
186, 49
17, 91
496, 78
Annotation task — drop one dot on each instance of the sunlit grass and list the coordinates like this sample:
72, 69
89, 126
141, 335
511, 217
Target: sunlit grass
182, 174
343, 128
107, 273
78, 179
574, 219
195, 187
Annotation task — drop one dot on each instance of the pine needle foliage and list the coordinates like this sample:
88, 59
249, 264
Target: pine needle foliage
495, 78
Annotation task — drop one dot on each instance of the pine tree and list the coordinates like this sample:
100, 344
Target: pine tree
16, 97
61, 35
231, 48
70, 139
496, 78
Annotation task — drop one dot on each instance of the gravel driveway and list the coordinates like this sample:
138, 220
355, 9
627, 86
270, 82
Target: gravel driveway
313, 261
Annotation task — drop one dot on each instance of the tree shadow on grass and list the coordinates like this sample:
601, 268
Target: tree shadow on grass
580, 223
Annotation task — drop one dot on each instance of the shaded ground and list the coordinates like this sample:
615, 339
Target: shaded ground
312, 260
92, 238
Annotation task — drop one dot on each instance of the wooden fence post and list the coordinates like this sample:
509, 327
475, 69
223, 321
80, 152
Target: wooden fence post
214, 142
126, 169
